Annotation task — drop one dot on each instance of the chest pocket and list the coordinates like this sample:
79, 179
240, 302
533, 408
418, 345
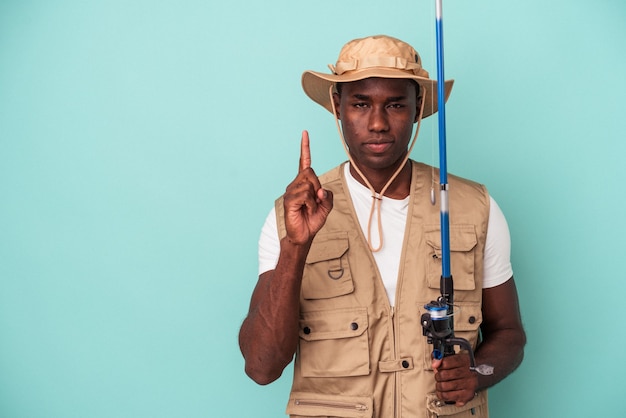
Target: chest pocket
327, 271
463, 242
334, 343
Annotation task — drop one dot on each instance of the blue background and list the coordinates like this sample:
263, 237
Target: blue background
142, 144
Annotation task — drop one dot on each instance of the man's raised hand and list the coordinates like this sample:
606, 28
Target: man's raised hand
306, 203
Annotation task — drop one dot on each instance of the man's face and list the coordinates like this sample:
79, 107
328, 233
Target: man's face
377, 116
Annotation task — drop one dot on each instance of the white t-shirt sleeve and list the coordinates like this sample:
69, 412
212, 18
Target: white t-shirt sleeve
269, 244
497, 258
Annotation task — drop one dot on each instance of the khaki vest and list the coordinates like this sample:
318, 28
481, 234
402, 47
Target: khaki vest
358, 356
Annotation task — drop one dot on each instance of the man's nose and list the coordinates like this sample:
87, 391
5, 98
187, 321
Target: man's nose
378, 120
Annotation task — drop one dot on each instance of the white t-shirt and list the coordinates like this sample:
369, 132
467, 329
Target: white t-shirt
496, 262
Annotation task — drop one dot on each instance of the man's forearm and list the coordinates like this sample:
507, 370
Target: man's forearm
504, 351
269, 335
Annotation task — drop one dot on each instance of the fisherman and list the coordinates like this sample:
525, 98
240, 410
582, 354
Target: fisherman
349, 259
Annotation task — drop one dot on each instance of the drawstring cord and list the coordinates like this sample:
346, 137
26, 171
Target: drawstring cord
377, 198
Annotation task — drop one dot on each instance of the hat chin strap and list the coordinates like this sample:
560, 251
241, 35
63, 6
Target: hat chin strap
377, 198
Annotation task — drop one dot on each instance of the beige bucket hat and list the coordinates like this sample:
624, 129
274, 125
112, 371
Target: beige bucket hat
374, 56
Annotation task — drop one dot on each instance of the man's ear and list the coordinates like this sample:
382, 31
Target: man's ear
418, 107
337, 101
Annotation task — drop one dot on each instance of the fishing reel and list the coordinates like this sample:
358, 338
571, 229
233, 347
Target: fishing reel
437, 327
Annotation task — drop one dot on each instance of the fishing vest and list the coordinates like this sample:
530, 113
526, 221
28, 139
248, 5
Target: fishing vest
360, 357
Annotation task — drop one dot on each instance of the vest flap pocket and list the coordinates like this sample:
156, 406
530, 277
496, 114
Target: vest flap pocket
308, 404
327, 247
462, 237
467, 319
336, 323
327, 271
334, 343
463, 241
467, 316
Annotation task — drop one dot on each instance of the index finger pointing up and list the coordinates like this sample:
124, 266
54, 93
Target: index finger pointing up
305, 152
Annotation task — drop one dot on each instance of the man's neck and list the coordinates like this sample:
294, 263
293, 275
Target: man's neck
398, 189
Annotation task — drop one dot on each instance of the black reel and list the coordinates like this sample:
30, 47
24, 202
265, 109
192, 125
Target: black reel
437, 327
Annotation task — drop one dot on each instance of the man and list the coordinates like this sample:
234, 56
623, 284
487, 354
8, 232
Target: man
349, 259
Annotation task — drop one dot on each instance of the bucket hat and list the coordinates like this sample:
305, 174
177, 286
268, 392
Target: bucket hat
374, 56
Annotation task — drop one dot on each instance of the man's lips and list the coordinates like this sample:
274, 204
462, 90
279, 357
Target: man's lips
377, 147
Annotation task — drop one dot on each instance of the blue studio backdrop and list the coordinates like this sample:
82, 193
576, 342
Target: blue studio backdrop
143, 143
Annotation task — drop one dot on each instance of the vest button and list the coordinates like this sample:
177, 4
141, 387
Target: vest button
306, 330
354, 326
472, 319
405, 364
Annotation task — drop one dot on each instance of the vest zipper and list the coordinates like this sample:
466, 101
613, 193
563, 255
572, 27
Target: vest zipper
331, 404
392, 319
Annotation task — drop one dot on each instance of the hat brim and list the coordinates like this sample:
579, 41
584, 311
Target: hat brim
317, 85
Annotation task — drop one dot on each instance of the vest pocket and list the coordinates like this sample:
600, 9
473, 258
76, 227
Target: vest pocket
334, 343
304, 405
327, 271
463, 242
467, 319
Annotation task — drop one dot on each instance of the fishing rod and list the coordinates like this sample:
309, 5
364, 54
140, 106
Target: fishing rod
438, 320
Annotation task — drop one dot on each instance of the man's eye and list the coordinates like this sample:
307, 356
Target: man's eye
360, 105
396, 106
